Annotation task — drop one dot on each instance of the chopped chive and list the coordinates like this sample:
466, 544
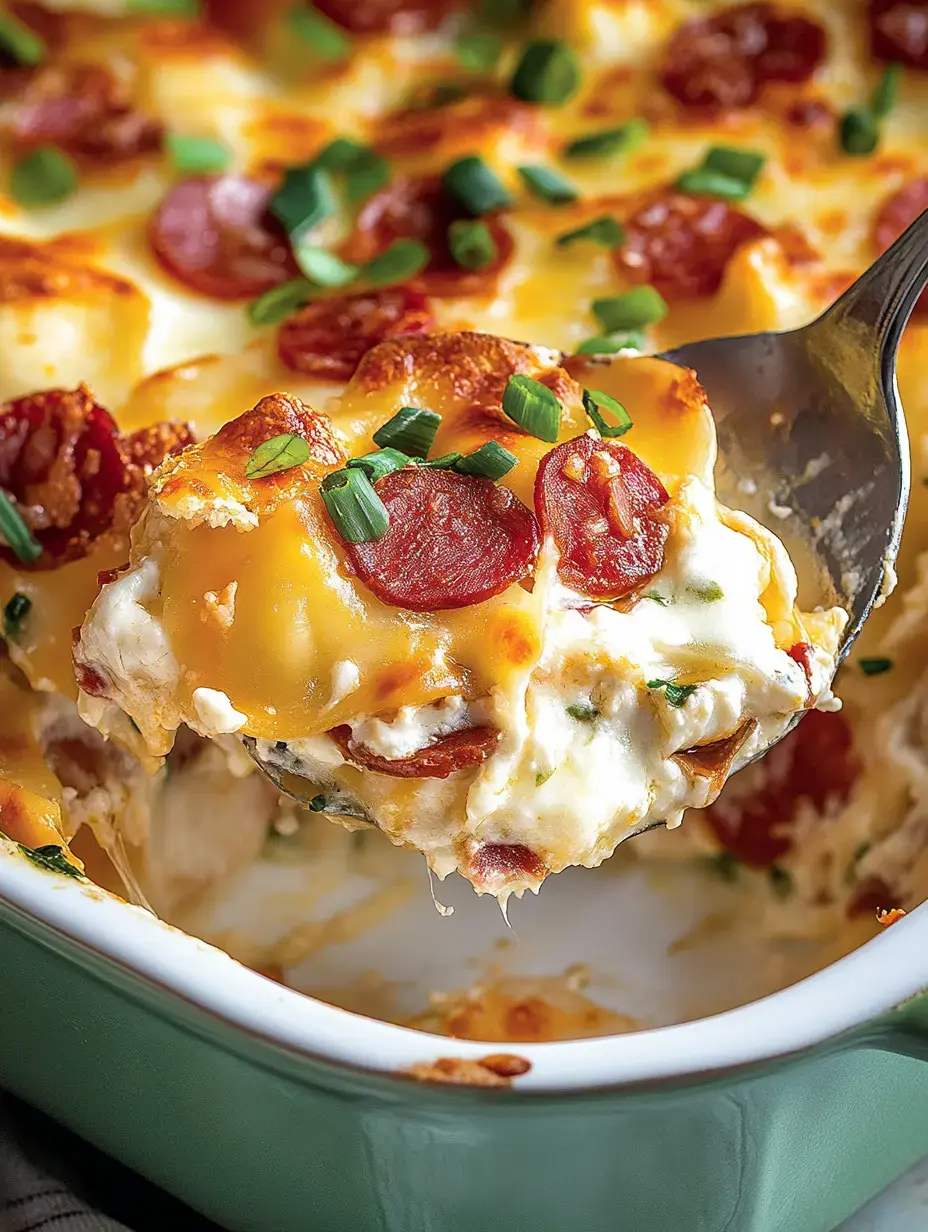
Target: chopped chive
303, 200
711, 592
324, 268
317, 804
14, 614
18, 536
478, 50
323, 36
280, 302
340, 154
196, 155
595, 401
633, 310
631, 340
411, 430
52, 858
704, 183
172, 8
472, 244
605, 231
547, 185
403, 259
20, 42
447, 462
781, 881
622, 140
478, 189
44, 177
533, 407
364, 170
547, 72
584, 712
491, 461
676, 694
725, 171
725, 865
859, 132
383, 462
542, 776
280, 453
884, 97
875, 667
357, 512
656, 597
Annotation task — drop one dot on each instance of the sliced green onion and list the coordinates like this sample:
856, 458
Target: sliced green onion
44, 177
676, 694
304, 199
547, 185
14, 614
280, 302
542, 776
383, 462
196, 155
20, 42
478, 50
656, 597
631, 340
172, 8
365, 170
886, 93
781, 881
327, 40
357, 512
472, 244
711, 592
504, 12
726, 171
403, 259
725, 865
547, 72
859, 132
533, 407
280, 453
583, 712
604, 230
595, 401
411, 430
478, 189
340, 154
52, 858
324, 268
447, 462
16, 533
491, 461
875, 667
622, 140
633, 310
704, 183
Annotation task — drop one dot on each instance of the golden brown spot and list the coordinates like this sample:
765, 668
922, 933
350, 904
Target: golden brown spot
892, 915
457, 1071
397, 677
515, 636
713, 761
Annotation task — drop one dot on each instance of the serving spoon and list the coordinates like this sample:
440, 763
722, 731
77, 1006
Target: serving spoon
811, 432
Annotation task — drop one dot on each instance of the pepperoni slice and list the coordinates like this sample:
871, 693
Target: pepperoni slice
814, 763
387, 16
215, 235
421, 209
495, 865
453, 540
597, 500
897, 213
682, 244
62, 464
899, 31
724, 60
331, 337
457, 751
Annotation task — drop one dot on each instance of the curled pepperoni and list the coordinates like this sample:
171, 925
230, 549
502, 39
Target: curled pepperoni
597, 500
899, 31
495, 865
330, 337
215, 235
387, 16
815, 763
458, 750
897, 213
682, 244
725, 59
453, 540
421, 209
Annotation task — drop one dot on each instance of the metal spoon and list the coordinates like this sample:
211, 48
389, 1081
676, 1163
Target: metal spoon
812, 420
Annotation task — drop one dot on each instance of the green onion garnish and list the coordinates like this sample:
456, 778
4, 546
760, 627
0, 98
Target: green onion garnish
411, 430
595, 401
656, 597
547, 185
403, 259
584, 712
172, 8
15, 612
323, 36
365, 170
884, 97
20, 42
633, 310
196, 155
357, 512
503, 12
472, 244
533, 407
478, 189
781, 881
340, 154
711, 592
324, 268
478, 50
491, 461
280, 302
859, 132
725, 865
547, 72
604, 230
44, 177
280, 453
447, 462
676, 694
52, 858
726, 172
622, 140
304, 199
16, 533
875, 667
703, 183
383, 462
631, 340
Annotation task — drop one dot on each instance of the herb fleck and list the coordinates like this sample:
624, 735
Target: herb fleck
280, 453
584, 712
542, 776
656, 597
711, 592
875, 667
14, 614
725, 865
51, 858
781, 881
676, 694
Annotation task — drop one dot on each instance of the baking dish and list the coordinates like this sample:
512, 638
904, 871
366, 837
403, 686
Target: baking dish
269, 1110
